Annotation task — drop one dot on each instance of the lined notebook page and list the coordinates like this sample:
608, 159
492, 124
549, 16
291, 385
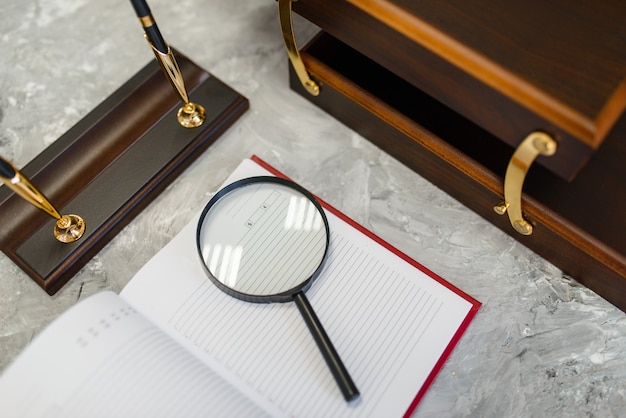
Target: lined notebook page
390, 323
103, 359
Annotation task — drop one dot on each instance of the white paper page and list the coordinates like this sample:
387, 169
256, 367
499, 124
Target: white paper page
103, 359
388, 321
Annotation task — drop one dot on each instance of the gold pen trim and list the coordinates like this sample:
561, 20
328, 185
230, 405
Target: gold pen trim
146, 21
170, 68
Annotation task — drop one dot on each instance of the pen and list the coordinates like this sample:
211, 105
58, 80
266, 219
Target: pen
68, 228
11, 176
191, 115
153, 34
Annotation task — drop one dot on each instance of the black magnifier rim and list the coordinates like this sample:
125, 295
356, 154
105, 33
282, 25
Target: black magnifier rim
286, 296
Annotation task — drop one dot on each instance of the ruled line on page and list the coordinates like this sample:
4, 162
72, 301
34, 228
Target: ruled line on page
384, 313
259, 342
126, 366
376, 314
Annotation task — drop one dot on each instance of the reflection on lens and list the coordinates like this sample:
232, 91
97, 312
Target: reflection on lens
302, 215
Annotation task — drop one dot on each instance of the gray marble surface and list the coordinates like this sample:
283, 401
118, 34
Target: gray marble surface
542, 345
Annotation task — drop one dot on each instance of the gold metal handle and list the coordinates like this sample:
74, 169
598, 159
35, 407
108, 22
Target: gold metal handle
68, 228
286, 25
535, 144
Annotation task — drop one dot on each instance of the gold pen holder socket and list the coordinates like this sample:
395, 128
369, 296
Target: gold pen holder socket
69, 228
191, 115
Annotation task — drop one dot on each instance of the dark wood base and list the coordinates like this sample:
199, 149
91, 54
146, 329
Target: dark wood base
110, 166
579, 225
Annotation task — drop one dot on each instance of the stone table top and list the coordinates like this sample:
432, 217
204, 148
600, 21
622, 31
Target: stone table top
541, 344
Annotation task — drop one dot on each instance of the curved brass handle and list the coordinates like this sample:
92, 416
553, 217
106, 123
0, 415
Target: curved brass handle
535, 144
286, 25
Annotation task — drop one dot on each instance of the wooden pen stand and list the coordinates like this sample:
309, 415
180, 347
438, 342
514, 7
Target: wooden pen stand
110, 166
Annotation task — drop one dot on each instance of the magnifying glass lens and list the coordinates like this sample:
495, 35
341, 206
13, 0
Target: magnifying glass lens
263, 239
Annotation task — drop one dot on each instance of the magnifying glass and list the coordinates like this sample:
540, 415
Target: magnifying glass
264, 239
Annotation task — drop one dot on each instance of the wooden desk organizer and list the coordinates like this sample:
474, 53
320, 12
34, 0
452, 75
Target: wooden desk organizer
460, 131
110, 166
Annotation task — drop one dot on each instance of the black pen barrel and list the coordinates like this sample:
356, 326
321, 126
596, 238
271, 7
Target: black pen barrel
149, 25
141, 8
154, 36
6, 169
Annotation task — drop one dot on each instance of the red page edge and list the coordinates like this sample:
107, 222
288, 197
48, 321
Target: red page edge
462, 328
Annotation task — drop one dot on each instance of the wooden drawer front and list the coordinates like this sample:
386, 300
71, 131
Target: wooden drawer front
510, 98
579, 225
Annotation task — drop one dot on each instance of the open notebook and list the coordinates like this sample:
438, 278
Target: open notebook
173, 344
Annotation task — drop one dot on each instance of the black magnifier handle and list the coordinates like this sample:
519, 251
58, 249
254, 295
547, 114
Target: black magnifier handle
341, 375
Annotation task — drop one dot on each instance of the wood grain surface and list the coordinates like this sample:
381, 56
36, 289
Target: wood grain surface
578, 225
110, 166
510, 67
